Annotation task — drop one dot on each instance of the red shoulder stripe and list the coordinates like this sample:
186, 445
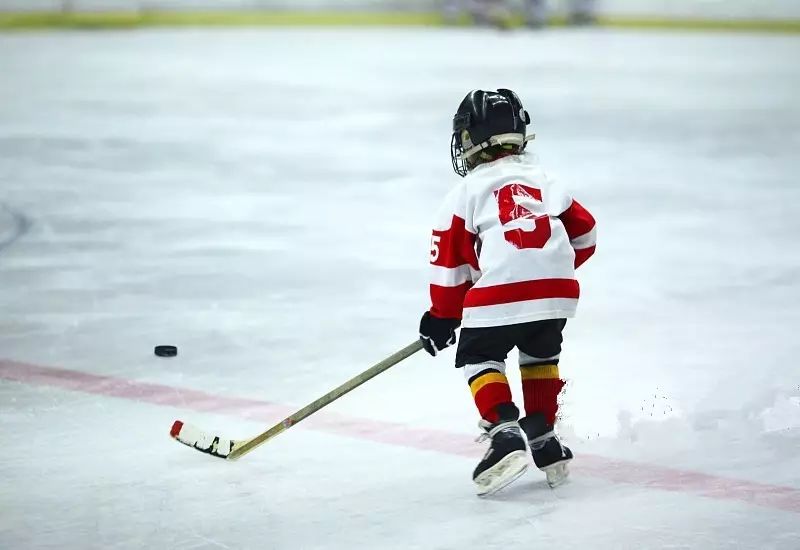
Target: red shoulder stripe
456, 246
577, 220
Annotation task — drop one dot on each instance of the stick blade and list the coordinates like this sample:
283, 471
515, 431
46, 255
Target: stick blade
204, 442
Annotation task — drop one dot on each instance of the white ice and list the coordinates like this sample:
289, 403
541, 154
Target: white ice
262, 200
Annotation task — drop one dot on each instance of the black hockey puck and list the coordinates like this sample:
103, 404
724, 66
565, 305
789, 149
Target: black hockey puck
166, 351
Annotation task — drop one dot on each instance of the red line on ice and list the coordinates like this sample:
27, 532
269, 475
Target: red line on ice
616, 471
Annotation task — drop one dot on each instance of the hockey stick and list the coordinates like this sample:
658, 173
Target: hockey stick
232, 449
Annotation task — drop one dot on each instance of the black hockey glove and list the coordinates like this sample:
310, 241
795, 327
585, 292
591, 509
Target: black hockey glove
437, 333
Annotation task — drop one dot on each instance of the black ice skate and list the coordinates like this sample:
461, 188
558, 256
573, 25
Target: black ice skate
549, 455
505, 460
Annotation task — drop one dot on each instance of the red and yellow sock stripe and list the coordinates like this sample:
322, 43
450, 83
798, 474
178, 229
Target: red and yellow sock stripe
489, 388
541, 384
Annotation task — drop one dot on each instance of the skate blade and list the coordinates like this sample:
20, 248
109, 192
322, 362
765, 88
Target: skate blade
502, 473
556, 474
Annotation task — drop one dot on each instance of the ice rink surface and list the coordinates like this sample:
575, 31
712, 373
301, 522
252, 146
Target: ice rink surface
262, 200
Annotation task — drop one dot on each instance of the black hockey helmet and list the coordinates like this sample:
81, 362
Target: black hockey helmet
487, 119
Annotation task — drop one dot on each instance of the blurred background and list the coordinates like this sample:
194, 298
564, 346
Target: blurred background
741, 14
254, 182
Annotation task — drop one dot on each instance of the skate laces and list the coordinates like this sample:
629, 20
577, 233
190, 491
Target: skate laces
538, 443
490, 430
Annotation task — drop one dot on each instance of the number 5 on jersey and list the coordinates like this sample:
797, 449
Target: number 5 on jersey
510, 210
435, 239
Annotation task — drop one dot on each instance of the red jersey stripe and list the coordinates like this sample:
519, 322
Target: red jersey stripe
448, 301
583, 254
520, 292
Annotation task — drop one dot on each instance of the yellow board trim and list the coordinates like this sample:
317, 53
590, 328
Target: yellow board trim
112, 20
791, 26
488, 378
539, 372
144, 18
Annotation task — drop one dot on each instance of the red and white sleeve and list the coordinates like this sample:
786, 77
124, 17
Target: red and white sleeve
580, 226
454, 263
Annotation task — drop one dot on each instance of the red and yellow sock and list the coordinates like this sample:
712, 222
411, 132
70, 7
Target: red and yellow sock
541, 385
489, 388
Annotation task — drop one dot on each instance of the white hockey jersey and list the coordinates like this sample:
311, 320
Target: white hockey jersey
505, 247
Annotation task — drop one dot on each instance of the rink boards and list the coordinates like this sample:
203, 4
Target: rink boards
741, 15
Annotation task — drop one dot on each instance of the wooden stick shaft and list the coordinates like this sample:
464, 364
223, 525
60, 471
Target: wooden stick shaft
326, 399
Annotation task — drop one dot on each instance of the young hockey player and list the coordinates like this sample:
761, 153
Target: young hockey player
503, 256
